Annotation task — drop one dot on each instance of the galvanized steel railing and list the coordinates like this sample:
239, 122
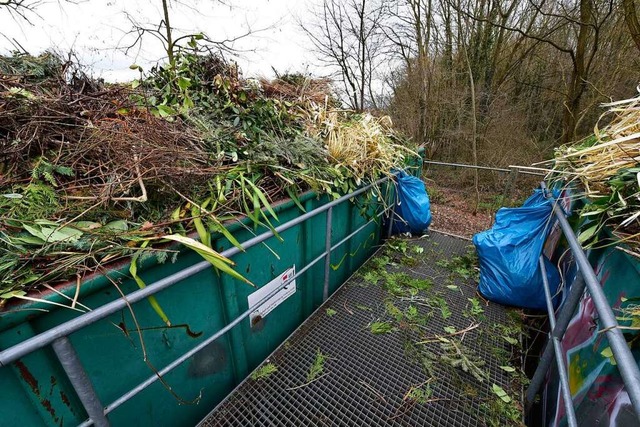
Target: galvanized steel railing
625, 361
627, 365
513, 171
57, 336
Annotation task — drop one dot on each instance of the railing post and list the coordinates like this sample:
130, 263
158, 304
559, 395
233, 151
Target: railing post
562, 322
557, 348
327, 260
80, 381
511, 180
392, 209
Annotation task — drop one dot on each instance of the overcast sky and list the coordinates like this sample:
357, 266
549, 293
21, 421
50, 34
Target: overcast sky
96, 31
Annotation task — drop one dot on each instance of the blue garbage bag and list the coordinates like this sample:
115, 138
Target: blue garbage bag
413, 209
508, 254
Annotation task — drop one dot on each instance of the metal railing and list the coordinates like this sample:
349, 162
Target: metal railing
587, 279
512, 170
57, 337
627, 365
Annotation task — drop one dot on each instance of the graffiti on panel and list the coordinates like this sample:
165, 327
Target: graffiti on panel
596, 386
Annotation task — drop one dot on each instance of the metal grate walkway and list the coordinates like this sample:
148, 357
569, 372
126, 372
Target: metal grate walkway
392, 377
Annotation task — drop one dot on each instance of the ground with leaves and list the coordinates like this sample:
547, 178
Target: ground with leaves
452, 211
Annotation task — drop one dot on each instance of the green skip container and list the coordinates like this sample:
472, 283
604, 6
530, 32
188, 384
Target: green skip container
34, 390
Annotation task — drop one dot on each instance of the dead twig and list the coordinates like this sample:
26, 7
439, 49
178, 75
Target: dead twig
307, 383
437, 338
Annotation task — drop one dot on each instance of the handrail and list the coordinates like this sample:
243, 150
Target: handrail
57, 336
511, 168
627, 365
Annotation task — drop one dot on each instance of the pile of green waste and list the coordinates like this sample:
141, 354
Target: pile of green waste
92, 173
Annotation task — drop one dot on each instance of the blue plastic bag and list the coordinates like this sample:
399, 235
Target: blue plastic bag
508, 254
413, 209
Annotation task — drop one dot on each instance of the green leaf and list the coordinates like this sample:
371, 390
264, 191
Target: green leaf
450, 329
187, 103
22, 92
184, 82
87, 225
12, 294
510, 340
29, 240
588, 233
295, 199
508, 368
608, 353
203, 233
35, 232
133, 270
47, 222
218, 261
165, 111
223, 230
331, 312
263, 199
499, 391
378, 328
119, 225
13, 196
54, 235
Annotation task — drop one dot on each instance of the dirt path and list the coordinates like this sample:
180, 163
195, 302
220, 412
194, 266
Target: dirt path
451, 212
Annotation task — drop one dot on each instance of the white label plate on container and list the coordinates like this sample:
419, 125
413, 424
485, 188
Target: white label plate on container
284, 293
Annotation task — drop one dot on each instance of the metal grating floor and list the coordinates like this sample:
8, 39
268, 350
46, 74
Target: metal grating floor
366, 377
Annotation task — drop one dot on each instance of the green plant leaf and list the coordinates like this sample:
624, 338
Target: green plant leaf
264, 372
263, 199
218, 261
296, 200
219, 227
165, 111
508, 368
378, 328
133, 270
499, 391
87, 225
12, 294
13, 196
588, 233
608, 353
184, 82
510, 340
119, 225
203, 233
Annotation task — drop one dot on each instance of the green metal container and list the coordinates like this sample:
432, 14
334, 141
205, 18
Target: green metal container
35, 390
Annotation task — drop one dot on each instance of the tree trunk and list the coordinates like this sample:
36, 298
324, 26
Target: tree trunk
631, 18
578, 83
167, 24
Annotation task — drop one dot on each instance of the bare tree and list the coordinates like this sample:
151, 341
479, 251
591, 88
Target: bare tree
573, 29
630, 8
347, 38
23, 9
166, 35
